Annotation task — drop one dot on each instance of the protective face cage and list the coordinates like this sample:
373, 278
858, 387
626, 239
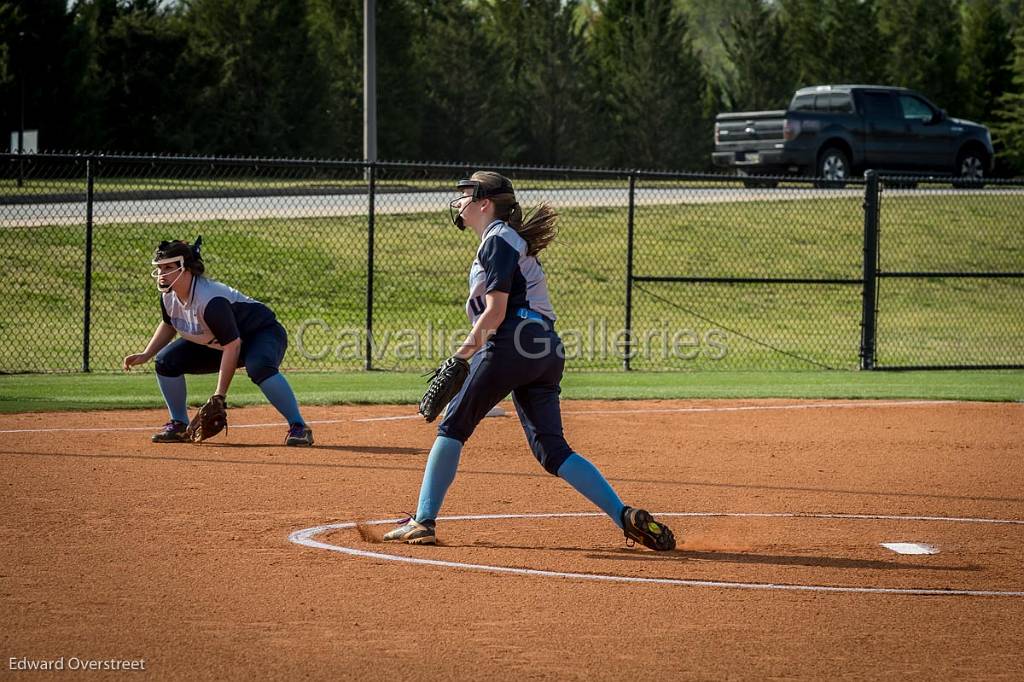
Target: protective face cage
163, 256
164, 288
479, 192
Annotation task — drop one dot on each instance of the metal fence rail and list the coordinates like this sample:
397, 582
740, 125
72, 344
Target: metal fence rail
950, 290
750, 277
650, 270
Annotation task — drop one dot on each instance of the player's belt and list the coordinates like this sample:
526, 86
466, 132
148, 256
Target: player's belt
527, 314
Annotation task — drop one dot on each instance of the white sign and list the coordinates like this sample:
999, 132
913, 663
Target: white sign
30, 141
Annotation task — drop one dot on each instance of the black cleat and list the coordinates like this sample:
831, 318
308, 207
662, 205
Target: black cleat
299, 435
171, 432
639, 526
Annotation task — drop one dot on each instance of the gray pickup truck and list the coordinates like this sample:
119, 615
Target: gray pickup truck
835, 131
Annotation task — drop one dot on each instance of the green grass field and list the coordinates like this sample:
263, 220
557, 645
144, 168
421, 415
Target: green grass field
313, 273
58, 392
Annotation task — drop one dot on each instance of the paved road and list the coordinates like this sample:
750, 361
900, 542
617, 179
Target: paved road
325, 206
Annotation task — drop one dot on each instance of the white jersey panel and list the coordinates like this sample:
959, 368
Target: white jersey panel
188, 318
529, 289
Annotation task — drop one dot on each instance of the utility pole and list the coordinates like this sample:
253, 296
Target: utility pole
21, 120
370, 80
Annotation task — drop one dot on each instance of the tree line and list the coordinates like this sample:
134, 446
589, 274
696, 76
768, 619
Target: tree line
608, 83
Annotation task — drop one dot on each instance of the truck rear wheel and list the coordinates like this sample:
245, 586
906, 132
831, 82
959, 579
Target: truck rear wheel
833, 168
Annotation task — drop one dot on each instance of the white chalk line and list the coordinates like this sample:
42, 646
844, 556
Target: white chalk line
305, 537
150, 428
651, 410
751, 408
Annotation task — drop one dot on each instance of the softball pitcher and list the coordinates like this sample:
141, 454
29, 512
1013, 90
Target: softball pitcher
512, 348
221, 330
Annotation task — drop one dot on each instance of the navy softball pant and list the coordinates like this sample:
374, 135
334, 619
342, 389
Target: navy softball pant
524, 358
261, 355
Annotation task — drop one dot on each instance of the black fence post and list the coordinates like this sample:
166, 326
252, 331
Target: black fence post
87, 304
628, 352
869, 300
371, 176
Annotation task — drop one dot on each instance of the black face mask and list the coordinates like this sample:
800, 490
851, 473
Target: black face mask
478, 193
456, 212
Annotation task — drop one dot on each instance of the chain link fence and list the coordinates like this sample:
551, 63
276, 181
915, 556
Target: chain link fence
950, 274
746, 277
650, 271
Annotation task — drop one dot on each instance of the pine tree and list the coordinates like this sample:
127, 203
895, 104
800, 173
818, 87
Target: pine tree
756, 46
707, 21
145, 81
804, 34
650, 85
541, 72
39, 41
833, 41
335, 35
461, 102
986, 47
264, 91
1008, 129
923, 38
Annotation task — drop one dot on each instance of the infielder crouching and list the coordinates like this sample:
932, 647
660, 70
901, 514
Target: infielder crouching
221, 330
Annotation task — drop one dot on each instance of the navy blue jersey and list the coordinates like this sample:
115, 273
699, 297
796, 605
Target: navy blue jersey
502, 265
214, 314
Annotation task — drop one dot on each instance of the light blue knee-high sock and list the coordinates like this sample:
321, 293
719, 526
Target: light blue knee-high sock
175, 395
578, 472
279, 393
438, 476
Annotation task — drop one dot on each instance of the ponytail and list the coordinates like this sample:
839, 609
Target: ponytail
538, 228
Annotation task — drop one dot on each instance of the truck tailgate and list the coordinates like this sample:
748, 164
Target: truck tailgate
749, 127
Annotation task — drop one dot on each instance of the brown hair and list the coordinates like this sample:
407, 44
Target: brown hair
192, 258
538, 228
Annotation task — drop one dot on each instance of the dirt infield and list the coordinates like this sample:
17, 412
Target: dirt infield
180, 556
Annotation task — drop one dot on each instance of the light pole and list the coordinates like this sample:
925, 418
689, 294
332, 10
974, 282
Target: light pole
21, 116
370, 80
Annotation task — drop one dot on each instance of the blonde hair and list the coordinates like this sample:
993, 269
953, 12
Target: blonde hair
538, 228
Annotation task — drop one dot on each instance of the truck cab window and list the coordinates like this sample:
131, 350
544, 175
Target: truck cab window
879, 105
802, 103
915, 109
840, 103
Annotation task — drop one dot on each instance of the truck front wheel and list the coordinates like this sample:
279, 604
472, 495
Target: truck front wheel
970, 169
833, 168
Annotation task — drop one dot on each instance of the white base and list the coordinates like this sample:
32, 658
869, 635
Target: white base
910, 548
